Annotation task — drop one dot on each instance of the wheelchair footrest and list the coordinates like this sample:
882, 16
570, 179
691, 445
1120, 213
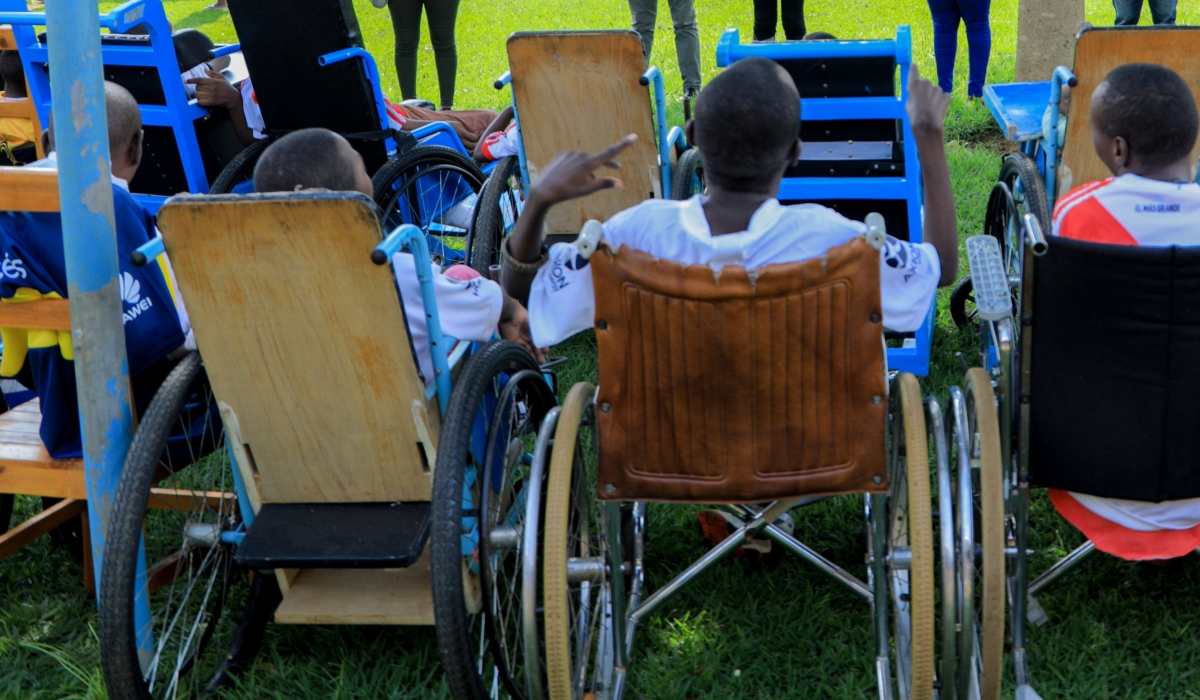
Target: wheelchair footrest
335, 536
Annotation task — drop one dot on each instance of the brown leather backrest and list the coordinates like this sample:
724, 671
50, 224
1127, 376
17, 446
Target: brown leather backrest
743, 386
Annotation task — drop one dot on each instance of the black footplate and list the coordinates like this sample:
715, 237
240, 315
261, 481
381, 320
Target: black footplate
335, 536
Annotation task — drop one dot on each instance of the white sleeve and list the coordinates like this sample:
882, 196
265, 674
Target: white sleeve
470, 309
254, 118
908, 280
561, 299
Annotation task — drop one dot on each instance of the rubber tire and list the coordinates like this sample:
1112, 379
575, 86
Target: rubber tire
240, 167
485, 249
118, 642
454, 642
401, 164
681, 179
963, 292
991, 527
1020, 166
920, 537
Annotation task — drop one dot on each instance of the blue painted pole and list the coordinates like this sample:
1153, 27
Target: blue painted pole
90, 245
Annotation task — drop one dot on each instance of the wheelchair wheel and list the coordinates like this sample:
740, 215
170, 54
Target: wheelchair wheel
576, 594
166, 555
436, 188
496, 211
238, 176
981, 524
910, 532
688, 176
962, 303
1020, 174
480, 487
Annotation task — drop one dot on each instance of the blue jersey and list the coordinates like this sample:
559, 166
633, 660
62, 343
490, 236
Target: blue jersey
34, 267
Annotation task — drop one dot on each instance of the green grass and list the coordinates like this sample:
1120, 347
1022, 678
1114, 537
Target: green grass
1117, 630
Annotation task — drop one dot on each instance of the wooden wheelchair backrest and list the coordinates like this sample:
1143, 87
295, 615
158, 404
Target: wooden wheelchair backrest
746, 386
1097, 52
579, 91
24, 109
304, 338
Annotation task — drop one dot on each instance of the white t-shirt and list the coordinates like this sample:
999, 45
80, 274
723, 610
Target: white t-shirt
468, 310
561, 299
200, 71
1133, 210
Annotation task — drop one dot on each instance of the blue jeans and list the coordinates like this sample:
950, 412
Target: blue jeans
1130, 11
974, 14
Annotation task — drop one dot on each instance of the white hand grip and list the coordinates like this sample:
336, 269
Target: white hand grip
876, 231
589, 239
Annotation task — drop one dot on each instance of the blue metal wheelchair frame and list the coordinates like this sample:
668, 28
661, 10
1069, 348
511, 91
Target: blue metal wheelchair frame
1039, 145
179, 113
667, 138
908, 188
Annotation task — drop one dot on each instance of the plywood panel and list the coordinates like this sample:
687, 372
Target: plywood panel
360, 597
304, 339
579, 91
1097, 52
25, 109
28, 189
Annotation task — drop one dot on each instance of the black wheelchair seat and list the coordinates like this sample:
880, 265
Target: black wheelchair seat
1115, 386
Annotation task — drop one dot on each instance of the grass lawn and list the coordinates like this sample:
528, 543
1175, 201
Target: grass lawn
1117, 630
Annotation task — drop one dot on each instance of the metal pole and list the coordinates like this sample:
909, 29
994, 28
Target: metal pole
90, 247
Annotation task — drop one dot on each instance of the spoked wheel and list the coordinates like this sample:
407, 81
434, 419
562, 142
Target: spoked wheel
578, 634
1019, 191
177, 618
436, 188
910, 542
688, 177
482, 481
238, 176
980, 522
496, 212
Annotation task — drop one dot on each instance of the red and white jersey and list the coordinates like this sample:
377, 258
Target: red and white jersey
254, 119
501, 144
1131, 210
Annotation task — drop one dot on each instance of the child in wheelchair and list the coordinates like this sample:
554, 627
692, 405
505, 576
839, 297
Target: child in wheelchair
470, 307
34, 267
746, 126
214, 90
17, 135
1144, 125
500, 139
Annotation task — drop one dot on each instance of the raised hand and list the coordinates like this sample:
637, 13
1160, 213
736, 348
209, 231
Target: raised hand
927, 105
572, 174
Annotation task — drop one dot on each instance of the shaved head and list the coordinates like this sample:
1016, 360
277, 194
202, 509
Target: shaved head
124, 117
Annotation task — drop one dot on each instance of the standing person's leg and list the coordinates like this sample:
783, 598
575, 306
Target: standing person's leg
979, 42
765, 19
1163, 11
687, 43
945, 40
645, 13
442, 15
1128, 12
406, 26
793, 19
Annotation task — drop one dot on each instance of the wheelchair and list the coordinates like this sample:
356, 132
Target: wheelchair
1011, 434
859, 155
426, 177
582, 90
185, 145
1052, 158
747, 420
336, 469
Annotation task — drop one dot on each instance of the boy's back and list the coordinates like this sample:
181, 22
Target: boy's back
1144, 124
